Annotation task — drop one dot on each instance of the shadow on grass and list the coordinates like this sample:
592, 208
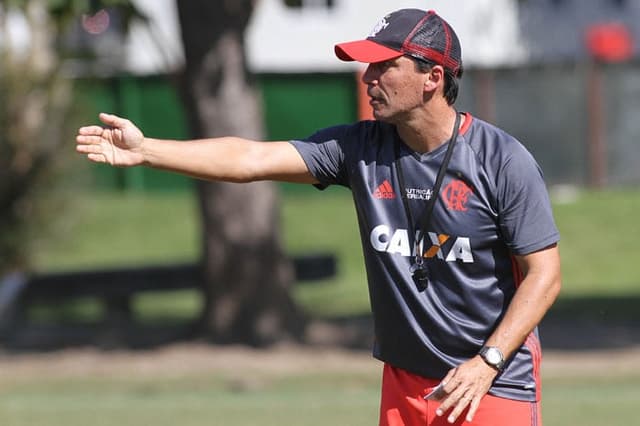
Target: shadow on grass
573, 323
592, 323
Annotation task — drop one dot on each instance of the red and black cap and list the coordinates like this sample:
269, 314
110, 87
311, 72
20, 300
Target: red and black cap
421, 34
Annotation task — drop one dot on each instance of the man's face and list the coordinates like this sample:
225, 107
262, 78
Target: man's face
395, 88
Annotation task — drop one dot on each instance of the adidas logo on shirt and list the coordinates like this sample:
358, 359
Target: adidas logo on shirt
384, 191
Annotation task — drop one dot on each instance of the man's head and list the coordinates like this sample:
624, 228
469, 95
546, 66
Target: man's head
421, 35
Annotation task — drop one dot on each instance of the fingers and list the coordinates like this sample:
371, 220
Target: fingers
88, 147
463, 402
475, 404
113, 120
108, 119
117, 143
97, 142
448, 378
90, 131
465, 387
97, 158
459, 397
88, 139
91, 147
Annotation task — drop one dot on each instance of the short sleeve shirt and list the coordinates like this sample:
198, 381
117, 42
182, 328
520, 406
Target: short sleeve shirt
492, 204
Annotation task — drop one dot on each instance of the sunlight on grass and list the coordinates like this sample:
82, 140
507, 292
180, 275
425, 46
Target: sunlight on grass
587, 401
599, 242
598, 246
303, 398
120, 229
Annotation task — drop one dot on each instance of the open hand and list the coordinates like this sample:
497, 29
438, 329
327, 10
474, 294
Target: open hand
118, 144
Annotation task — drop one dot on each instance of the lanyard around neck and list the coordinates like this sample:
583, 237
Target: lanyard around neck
426, 217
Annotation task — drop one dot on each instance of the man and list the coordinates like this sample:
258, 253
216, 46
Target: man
458, 235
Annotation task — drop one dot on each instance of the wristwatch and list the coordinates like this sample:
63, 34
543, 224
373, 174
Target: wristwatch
492, 355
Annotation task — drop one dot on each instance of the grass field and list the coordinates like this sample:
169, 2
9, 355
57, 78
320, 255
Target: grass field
309, 400
305, 400
598, 229
197, 386
191, 385
599, 249
599, 233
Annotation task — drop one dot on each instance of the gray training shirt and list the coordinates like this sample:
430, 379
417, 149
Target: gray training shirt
493, 204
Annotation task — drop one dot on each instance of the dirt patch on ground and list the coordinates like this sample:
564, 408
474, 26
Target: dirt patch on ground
601, 362
183, 360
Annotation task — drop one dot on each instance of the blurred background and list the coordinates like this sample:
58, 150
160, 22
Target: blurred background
138, 296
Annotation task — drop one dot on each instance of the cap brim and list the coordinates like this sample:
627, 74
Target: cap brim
365, 51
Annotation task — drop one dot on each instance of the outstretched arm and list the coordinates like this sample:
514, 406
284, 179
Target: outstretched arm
228, 159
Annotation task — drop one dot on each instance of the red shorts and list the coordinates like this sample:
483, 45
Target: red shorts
402, 404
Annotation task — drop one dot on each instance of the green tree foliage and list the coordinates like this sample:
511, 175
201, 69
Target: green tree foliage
35, 113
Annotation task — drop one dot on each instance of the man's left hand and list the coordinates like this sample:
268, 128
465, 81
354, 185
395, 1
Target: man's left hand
465, 386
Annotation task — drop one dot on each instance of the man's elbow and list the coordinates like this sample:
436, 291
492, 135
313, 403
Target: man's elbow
553, 292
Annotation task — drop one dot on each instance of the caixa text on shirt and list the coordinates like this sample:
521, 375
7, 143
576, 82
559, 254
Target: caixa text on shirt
441, 246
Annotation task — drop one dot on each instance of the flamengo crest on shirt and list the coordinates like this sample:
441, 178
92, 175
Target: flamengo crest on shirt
444, 247
456, 194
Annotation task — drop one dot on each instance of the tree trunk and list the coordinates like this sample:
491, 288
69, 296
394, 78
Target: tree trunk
247, 274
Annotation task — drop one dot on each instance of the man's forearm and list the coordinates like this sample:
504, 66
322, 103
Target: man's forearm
532, 300
228, 159
212, 159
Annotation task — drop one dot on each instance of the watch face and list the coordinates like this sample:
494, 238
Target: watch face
493, 356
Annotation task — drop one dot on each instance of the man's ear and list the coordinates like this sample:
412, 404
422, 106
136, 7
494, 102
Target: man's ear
433, 78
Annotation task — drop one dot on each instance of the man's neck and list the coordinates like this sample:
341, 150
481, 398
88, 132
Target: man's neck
428, 131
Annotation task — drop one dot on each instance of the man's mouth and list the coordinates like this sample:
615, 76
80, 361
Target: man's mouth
375, 100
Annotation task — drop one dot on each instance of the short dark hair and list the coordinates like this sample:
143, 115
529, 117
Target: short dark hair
451, 84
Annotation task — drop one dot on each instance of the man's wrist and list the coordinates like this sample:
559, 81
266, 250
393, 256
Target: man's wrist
493, 357
143, 151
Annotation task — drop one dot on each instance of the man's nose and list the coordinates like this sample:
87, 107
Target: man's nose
369, 76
